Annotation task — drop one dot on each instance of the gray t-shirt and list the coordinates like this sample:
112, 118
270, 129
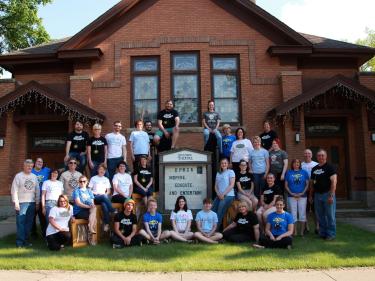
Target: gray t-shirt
211, 119
277, 161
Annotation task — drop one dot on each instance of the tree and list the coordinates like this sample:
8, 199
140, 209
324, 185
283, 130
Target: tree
370, 42
20, 25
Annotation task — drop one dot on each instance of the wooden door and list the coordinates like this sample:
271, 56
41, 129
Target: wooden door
336, 155
47, 140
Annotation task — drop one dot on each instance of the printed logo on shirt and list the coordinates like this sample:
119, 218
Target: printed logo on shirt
274, 158
84, 196
268, 191
40, 178
78, 138
145, 172
29, 184
98, 142
64, 214
277, 222
126, 222
73, 182
153, 224
296, 178
211, 116
245, 179
168, 115
243, 221
240, 145
318, 172
266, 137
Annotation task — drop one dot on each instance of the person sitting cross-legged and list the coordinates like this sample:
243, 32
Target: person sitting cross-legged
181, 218
153, 224
245, 226
207, 222
125, 227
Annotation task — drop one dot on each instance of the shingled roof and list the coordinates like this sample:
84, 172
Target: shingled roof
45, 48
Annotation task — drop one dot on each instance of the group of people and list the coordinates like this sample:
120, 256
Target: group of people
254, 172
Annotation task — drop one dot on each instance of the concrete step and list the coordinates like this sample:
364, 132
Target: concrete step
355, 213
350, 204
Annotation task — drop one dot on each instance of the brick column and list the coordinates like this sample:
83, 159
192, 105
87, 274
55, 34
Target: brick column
80, 89
291, 85
7, 86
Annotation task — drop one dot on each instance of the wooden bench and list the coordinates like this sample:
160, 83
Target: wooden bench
79, 230
231, 213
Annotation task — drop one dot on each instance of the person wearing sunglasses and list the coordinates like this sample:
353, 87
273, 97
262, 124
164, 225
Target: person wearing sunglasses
84, 207
58, 234
70, 178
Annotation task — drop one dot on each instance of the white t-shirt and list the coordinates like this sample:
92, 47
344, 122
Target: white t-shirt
115, 144
241, 150
123, 181
62, 217
99, 185
140, 142
181, 218
54, 189
308, 166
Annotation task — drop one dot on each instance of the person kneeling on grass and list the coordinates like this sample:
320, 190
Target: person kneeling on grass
279, 228
125, 227
206, 224
57, 233
152, 224
245, 226
181, 218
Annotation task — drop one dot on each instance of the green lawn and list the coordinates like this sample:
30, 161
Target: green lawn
352, 248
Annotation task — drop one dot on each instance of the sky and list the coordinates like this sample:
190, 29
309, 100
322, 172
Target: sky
337, 19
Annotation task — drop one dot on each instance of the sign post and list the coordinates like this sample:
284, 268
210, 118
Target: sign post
184, 172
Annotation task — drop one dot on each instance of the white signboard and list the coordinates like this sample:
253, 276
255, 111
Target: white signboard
187, 180
184, 156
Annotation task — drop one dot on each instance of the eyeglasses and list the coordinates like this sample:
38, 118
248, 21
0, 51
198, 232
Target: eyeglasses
75, 163
82, 181
62, 201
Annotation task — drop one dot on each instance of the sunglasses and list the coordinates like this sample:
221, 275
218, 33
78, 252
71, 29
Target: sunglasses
75, 163
82, 181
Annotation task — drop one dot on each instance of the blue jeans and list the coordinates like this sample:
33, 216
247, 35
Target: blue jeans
81, 159
259, 184
112, 166
106, 206
94, 171
220, 207
326, 214
24, 222
206, 134
49, 205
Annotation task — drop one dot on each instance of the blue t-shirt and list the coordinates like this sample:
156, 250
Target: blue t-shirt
227, 142
42, 175
258, 159
153, 221
85, 196
207, 220
223, 180
297, 181
279, 222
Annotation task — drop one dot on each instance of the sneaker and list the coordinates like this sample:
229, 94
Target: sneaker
166, 241
257, 246
140, 244
91, 239
116, 246
289, 247
106, 228
329, 238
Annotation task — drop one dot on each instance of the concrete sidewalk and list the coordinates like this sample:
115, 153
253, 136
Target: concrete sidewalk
362, 274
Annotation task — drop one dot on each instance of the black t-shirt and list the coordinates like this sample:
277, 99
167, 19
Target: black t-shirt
126, 223
79, 141
245, 223
97, 148
168, 118
245, 180
320, 175
144, 175
267, 139
270, 192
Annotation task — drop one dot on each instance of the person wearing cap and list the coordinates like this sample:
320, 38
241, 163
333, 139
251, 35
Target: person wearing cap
125, 227
227, 141
97, 150
25, 196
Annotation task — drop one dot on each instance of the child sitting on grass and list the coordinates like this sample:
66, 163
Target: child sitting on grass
206, 224
152, 224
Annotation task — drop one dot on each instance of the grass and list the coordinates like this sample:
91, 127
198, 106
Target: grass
352, 248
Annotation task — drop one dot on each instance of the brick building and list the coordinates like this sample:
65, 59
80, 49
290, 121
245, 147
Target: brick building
140, 53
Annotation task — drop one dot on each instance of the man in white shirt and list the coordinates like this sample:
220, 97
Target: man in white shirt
25, 196
116, 148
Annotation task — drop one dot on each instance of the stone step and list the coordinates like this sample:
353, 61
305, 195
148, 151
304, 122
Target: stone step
350, 204
355, 213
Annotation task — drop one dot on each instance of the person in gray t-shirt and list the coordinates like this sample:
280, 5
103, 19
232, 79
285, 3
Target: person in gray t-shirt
211, 122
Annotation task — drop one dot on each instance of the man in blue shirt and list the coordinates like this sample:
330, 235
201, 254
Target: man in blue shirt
43, 174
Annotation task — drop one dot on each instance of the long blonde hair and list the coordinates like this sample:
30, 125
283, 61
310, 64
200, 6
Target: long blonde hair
66, 200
